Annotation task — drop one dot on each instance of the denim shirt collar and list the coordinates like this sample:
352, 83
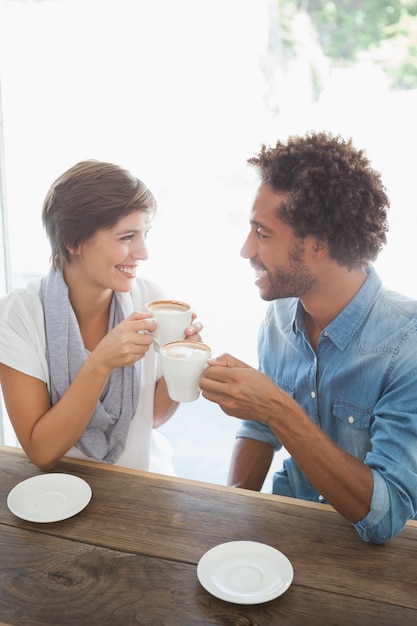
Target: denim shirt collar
341, 330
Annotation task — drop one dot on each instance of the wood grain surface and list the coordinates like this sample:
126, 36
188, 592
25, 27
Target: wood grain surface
130, 557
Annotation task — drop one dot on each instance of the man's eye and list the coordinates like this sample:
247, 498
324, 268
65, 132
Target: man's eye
258, 232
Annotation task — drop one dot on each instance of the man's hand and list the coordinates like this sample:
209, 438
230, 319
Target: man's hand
240, 390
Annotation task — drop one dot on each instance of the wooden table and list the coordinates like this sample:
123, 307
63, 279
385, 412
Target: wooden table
130, 556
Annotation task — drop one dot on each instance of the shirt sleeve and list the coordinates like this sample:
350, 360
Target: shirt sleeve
393, 454
22, 336
375, 527
259, 431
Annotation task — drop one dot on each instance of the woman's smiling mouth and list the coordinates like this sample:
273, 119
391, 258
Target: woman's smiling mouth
130, 270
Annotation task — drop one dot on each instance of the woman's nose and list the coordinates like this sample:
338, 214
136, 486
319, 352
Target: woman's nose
140, 250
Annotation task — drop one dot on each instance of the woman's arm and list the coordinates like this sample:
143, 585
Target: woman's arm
47, 432
164, 407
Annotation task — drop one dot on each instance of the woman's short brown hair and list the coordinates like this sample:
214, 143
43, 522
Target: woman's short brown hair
88, 197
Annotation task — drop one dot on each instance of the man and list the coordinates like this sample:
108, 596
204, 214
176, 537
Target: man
337, 385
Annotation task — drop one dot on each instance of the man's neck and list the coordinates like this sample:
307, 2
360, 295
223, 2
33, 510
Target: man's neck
333, 293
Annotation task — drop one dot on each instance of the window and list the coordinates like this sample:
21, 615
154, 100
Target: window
182, 93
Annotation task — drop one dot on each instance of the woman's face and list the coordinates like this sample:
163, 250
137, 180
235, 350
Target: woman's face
111, 257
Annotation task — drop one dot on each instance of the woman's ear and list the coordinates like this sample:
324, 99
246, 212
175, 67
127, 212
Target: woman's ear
72, 250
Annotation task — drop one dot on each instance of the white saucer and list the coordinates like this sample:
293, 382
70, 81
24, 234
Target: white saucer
245, 572
49, 497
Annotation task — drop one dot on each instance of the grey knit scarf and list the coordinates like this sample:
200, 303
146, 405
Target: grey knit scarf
105, 436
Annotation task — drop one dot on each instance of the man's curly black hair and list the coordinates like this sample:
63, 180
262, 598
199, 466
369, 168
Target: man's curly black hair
333, 194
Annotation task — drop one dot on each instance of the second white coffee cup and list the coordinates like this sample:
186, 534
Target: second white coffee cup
183, 363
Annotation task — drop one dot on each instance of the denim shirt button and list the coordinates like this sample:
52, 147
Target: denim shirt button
351, 419
313, 394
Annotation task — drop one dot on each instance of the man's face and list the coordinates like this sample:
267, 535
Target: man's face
276, 254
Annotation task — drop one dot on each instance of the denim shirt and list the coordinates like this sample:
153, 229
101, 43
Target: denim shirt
360, 387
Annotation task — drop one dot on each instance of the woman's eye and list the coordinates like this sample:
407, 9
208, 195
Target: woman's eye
128, 237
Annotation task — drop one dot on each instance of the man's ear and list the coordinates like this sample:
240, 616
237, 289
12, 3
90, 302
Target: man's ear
321, 248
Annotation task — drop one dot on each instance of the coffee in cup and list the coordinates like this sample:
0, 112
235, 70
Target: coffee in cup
172, 317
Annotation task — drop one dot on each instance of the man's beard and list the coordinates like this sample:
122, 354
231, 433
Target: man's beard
293, 280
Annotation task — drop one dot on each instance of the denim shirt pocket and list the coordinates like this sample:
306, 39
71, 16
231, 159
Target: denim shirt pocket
289, 390
352, 415
352, 428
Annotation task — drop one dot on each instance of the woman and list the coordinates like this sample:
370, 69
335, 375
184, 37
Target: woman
78, 371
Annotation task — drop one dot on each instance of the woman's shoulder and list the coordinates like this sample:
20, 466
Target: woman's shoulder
22, 299
22, 331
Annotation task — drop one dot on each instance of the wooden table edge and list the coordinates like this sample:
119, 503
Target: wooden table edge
189, 481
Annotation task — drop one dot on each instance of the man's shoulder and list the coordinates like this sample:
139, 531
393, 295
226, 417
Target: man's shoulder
397, 304
391, 323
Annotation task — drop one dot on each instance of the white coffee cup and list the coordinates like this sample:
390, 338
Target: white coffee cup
183, 363
172, 317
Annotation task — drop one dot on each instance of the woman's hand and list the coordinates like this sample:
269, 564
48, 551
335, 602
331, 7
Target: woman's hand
126, 343
192, 333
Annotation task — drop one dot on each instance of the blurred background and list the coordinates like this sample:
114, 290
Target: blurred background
182, 93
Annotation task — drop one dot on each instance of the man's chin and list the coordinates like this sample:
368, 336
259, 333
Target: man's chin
266, 295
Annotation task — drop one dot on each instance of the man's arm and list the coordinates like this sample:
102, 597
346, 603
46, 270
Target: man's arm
251, 460
344, 481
